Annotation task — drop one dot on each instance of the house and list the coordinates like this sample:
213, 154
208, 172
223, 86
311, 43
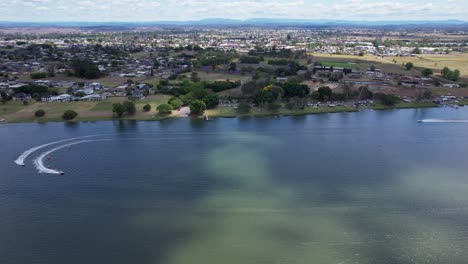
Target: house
143, 86
46, 98
87, 91
451, 85
18, 85
94, 97
61, 98
21, 97
137, 95
96, 86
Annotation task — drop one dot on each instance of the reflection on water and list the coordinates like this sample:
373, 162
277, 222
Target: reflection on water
371, 187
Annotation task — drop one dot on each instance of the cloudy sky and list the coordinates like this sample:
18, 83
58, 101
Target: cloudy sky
178, 10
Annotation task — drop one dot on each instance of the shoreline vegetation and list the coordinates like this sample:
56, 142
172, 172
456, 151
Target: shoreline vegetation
101, 113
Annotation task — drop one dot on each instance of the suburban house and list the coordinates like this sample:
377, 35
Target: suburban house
137, 95
21, 97
94, 97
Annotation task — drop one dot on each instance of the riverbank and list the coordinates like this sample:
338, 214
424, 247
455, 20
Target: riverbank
16, 112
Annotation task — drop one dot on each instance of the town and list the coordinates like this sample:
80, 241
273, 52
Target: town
153, 73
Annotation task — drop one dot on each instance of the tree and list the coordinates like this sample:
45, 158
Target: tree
427, 72
364, 93
118, 109
197, 107
195, 77
38, 75
427, 94
188, 98
39, 113
129, 107
69, 115
211, 100
175, 102
84, 68
164, 108
385, 99
147, 107
445, 72
409, 66
263, 96
244, 108
324, 93
456, 75
292, 89
233, 67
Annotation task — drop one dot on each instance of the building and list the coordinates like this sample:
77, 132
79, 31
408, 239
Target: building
21, 97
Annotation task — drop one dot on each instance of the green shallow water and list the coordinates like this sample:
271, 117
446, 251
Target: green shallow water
370, 187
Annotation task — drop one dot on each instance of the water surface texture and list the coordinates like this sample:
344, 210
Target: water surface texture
368, 187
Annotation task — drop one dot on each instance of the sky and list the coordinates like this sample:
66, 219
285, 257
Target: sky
183, 10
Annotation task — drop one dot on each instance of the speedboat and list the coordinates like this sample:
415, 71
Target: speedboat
61, 173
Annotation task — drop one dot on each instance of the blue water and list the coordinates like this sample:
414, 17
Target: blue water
367, 187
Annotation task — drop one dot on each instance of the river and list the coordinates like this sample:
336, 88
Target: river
368, 187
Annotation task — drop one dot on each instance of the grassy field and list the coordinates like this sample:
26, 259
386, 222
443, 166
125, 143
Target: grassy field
437, 62
395, 64
351, 65
219, 76
87, 111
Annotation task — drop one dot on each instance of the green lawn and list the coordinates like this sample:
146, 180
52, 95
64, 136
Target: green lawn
339, 64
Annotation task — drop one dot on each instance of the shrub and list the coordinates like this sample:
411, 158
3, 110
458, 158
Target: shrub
165, 108
39, 113
147, 107
409, 65
244, 108
274, 107
69, 115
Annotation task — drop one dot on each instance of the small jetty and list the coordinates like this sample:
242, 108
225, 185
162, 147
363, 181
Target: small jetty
207, 118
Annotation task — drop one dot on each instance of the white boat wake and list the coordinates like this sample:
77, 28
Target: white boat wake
443, 121
39, 161
21, 158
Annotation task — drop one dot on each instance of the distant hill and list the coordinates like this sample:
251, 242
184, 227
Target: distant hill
235, 22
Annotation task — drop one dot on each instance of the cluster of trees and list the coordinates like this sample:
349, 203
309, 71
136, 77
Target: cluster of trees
119, 109
220, 86
182, 88
271, 93
281, 62
213, 58
83, 68
196, 96
38, 75
251, 59
450, 75
32, 89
